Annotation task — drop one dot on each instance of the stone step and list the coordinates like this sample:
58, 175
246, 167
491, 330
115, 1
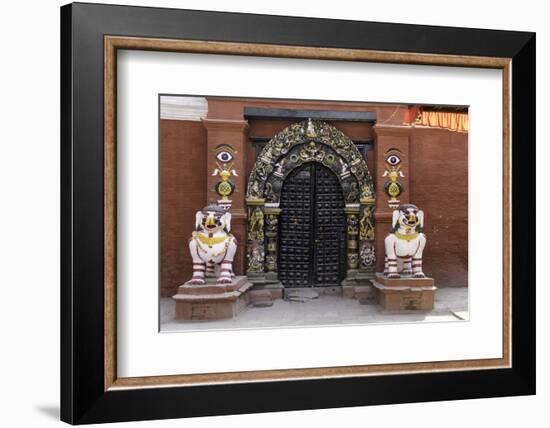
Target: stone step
300, 294
260, 298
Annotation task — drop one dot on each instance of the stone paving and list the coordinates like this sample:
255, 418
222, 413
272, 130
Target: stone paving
451, 304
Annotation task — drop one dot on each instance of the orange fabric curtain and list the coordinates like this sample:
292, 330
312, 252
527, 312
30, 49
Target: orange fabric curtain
454, 121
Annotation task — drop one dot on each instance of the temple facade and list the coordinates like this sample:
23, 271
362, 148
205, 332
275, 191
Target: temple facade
311, 186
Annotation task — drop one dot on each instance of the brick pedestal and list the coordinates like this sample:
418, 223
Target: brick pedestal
211, 301
405, 294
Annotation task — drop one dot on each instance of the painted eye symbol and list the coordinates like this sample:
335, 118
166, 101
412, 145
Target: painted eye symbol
224, 156
393, 160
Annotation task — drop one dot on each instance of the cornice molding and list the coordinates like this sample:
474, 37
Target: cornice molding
183, 108
225, 124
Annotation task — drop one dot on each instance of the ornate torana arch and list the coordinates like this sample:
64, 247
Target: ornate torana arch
310, 141
299, 143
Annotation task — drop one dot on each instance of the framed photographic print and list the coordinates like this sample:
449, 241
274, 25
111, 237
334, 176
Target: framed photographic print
274, 213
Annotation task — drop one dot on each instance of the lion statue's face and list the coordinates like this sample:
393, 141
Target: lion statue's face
212, 220
408, 216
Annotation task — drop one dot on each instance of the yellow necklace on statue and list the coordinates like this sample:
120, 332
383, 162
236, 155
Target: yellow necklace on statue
200, 239
210, 241
406, 237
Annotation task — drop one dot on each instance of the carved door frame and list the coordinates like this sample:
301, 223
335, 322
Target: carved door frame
309, 141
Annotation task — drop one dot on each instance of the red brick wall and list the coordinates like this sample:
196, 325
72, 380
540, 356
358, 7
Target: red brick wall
439, 185
182, 193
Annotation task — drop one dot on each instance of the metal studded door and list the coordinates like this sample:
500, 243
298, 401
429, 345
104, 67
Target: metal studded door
312, 234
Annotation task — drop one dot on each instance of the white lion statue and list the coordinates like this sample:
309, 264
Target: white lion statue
212, 246
404, 246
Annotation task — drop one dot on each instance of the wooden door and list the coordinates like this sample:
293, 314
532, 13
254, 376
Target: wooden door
312, 229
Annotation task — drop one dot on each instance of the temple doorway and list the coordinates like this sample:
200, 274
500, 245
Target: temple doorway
310, 211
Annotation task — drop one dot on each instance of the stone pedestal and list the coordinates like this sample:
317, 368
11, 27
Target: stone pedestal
211, 301
405, 294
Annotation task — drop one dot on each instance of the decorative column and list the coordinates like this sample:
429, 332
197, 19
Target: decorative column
392, 165
226, 144
272, 282
352, 213
367, 233
255, 240
271, 212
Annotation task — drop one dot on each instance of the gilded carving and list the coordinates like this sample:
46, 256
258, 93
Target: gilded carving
271, 223
367, 254
352, 224
353, 192
271, 262
311, 133
271, 229
352, 231
269, 193
367, 193
352, 260
225, 187
312, 152
393, 186
366, 224
344, 173
225, 154
279, 168
319, 142
256, 225
255, 255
